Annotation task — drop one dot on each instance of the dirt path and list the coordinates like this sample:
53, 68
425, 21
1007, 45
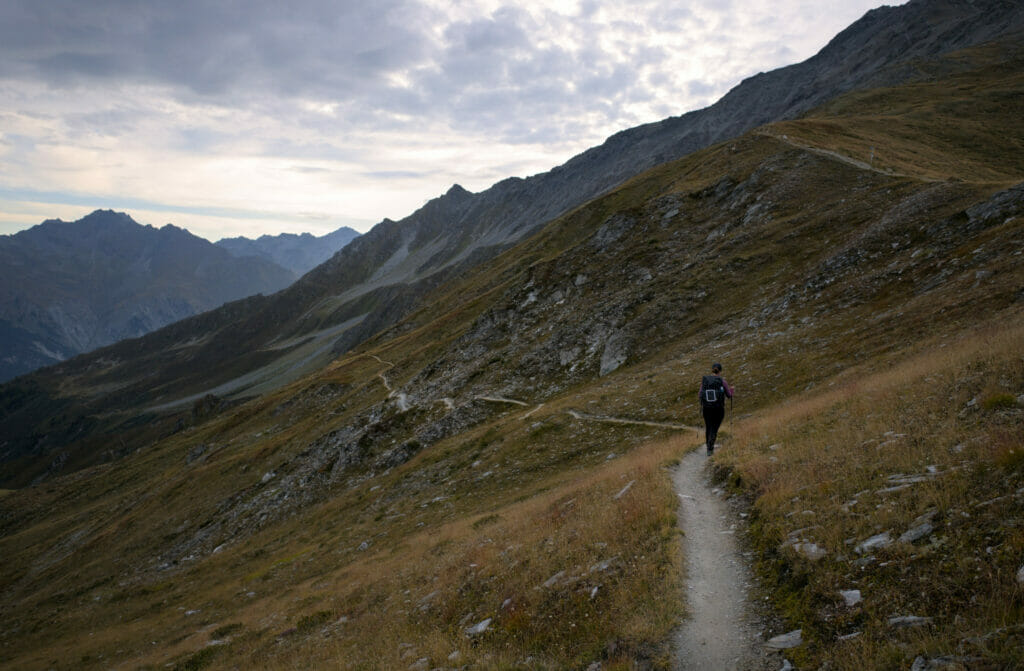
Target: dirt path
845, 159
576, 414
722, 632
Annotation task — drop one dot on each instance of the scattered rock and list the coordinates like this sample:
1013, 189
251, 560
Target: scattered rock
877, 541
942, 663
908, 621
553, 580
611, 230
455, 656
850, 596
811, 551
421, 664
847, 637
919, 528
195, 453
786, 666
428, 601
623, 491
785, 641
479, 628
267, 477
1020, 575
567, 356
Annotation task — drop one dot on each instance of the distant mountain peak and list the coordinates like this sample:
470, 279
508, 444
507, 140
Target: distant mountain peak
298, 252
72, 286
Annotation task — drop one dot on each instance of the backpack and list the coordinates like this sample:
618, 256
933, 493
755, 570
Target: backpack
712, 392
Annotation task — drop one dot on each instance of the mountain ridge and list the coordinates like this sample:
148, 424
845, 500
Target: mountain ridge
485, 481
76, 286
299, 253
381, 276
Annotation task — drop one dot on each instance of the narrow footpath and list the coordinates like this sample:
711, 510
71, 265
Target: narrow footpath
722, 632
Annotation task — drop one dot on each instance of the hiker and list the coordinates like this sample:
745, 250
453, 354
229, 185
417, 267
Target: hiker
713, 391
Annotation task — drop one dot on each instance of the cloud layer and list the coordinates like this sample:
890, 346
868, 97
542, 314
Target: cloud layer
245, 118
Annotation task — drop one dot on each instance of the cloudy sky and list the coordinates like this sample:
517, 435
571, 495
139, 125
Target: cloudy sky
243, 118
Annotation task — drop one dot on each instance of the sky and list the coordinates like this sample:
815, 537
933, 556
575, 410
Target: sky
260, 117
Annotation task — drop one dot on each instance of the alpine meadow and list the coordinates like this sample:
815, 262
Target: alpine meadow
452, 444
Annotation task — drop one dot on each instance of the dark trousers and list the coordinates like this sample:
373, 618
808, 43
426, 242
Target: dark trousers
713, 416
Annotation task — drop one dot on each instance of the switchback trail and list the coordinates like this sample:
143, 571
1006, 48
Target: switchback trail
722, 632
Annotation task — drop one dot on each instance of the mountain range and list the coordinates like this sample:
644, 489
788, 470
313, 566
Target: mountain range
71, 287
382, 275
298, 253
447, 445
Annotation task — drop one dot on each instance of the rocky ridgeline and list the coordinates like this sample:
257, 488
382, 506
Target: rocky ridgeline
382, 276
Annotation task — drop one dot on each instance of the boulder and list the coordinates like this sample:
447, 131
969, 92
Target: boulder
479, 627
850, 596
877, 541
785, 641
811, 551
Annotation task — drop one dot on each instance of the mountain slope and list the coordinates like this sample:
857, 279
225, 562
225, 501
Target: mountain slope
71, 287
297, 253
383, 275
483, 482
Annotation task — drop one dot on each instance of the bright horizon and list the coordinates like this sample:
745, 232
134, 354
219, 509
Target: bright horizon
321, 114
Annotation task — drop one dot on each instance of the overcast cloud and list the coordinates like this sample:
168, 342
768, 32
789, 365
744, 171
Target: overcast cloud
235, 118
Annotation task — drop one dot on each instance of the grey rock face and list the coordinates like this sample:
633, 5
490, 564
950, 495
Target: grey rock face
615, 353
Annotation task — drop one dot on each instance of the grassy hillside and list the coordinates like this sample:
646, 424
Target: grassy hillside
449, 493
928, 459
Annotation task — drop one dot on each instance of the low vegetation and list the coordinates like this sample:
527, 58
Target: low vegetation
927, 459
447, 495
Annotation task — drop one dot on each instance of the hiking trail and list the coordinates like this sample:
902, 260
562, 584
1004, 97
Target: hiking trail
843, 158
722, 631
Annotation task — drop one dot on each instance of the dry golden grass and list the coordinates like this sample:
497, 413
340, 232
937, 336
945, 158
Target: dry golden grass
566, 577
935, 434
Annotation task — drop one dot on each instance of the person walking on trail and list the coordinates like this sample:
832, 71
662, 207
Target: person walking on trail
713, 392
